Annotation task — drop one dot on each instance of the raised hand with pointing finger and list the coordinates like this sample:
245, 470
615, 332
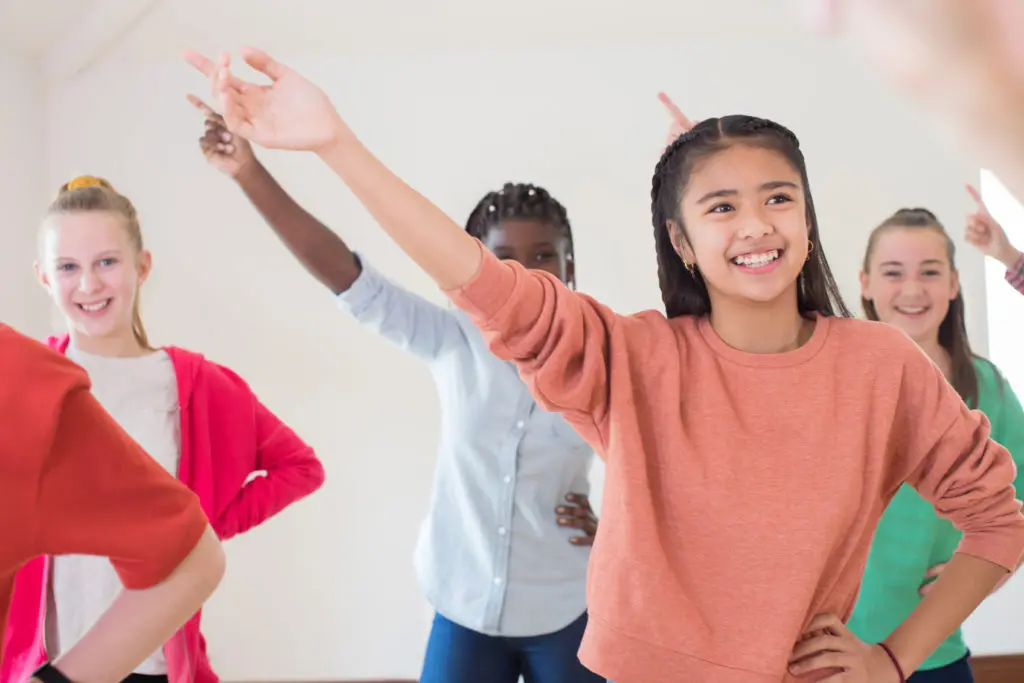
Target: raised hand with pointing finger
680, 124
289, 113
986, 234
225, 151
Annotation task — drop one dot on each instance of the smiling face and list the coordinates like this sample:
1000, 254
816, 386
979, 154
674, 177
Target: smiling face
92, 271
910, 281
745, 224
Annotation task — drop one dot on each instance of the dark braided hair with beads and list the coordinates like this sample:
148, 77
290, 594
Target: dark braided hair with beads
683, 291
519, 201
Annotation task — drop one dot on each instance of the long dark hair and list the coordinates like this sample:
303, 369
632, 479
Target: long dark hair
685, 293
953, 329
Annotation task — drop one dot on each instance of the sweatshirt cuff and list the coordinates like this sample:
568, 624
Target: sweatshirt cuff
488, 290
1004, 547
1015, 275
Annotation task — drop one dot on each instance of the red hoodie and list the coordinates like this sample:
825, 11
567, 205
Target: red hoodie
73, 482
226, 436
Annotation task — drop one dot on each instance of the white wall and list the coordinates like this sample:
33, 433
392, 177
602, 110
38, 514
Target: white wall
23, 305
995, 627
327, 590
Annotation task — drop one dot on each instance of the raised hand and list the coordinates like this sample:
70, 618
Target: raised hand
578, 514
828, 648
680, 122
289, 113
986, 234
914, 41
225, 151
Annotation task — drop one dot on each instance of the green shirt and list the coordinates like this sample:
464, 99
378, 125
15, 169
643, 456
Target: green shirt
911, 537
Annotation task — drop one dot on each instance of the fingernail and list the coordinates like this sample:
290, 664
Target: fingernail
560, 511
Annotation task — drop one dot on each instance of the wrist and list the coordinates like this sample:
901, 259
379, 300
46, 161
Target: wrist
248, 171
341, 140
1009, 257
891, 664
48, 673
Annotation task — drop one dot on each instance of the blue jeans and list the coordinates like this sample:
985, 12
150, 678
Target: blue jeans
459, 655
957, 672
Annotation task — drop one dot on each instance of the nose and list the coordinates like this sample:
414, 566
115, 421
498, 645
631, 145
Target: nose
911, 287
90, 282
754, 226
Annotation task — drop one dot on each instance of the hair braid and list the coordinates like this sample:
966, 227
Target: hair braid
684, 292
523, 201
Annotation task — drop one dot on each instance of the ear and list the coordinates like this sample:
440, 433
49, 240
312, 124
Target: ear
570, 272
679, 243
41, 276
864, 286
955, 285
144, 262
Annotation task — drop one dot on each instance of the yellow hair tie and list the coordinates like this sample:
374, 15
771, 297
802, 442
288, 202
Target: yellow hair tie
84, 181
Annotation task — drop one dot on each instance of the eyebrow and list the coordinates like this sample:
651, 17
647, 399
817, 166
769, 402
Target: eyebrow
771, 185
929, 262
102, 254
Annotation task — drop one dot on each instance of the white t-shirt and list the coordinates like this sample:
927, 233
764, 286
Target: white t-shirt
142, 395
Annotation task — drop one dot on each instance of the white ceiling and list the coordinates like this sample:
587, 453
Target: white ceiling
70, 35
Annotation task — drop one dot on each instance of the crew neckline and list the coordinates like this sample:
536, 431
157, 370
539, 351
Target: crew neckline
822, 325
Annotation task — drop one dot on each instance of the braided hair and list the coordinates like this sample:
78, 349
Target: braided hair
683, 291
953, 328
520, 201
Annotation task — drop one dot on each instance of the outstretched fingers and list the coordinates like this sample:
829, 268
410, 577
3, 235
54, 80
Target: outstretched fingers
264, 63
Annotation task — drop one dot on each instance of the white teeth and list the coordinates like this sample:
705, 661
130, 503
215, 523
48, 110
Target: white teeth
911, 311
92, 308
761, 259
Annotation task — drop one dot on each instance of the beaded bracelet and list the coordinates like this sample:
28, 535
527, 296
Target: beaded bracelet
895, 662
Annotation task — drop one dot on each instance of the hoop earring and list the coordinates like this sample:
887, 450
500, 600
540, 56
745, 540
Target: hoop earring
690, 268
810, 250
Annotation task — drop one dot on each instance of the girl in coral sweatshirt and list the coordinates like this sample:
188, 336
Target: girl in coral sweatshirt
197, 419
753, 434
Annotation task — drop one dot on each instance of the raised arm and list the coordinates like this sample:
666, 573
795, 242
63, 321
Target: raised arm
961, 58
408, 321
985, 233
947, 455
558, 337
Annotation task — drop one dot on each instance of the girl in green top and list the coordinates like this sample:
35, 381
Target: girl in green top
909, 279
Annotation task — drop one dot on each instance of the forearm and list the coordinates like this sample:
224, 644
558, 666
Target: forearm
322, 252
436, 243
963, 584
139, 622
985, 103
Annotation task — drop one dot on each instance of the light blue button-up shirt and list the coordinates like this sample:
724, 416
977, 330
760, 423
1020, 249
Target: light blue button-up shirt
491, 556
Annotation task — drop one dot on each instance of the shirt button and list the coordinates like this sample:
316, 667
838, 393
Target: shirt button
519, 425
497, 580
501, 531
508, 479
